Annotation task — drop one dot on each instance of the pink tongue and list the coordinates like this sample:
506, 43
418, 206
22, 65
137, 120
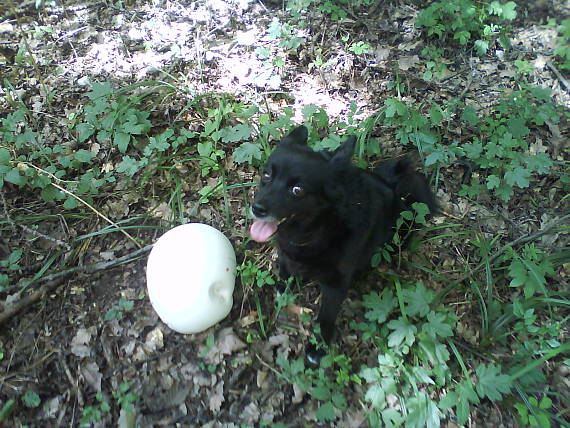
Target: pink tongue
261, 230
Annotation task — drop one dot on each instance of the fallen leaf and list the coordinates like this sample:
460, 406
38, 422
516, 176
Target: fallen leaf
382, 54
262, 379
251, 413
540, 62
248, 320
154, 340
162, 211
79, 343
298, 394
226, 343
408, 61
217, 397
92, 375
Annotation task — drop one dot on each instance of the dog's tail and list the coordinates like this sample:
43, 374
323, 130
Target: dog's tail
409, 185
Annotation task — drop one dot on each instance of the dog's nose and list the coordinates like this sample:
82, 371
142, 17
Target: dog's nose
259, 210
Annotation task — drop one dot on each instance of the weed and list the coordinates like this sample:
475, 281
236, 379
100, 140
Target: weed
117, 312
562, 49
537, 415
94, 414
125, 398
528, 269
326, 384
466, 21
499, 147
11, 265
359, 48
251, 274
404, 230
31, 399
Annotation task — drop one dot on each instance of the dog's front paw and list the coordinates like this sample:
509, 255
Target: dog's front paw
314, 354
280, 287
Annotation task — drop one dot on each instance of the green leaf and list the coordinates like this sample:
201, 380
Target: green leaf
51, 193
339, 400
404, 333
435, 114
421, 211
481, 46
539, 162
160, 143
421, 375
70, 203
395, 107
518, 177
461, 398
508, 11
321, 393
129, 166
392, 418
100, 90
326, 412
437, 326
122, 140
31, 399
13, 176
84, 155
423, 412
376, 396
518, 273
233, 134
5, 156
493, 182
15, 256
379, 306
204, 148
490, 383
449, 400
85, 130
247, 152
126, 305
517, 127
470, 116
462, 36
418, 300
504, 191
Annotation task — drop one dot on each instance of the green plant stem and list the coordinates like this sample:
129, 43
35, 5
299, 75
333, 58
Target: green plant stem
521, 240
563, 348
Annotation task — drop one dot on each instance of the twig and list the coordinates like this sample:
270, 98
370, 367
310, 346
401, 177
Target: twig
72, 381
558, 74
55, 279
6, 213
29, 300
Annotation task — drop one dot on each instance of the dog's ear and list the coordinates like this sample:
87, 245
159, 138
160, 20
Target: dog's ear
343, 154
298, 135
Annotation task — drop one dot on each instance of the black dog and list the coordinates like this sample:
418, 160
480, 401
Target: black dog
329, 217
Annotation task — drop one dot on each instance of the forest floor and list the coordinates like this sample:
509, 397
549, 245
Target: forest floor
80, 343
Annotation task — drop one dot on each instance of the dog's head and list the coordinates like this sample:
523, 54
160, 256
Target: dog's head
294, 182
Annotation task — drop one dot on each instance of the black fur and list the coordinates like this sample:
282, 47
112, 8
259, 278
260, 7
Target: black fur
332, 215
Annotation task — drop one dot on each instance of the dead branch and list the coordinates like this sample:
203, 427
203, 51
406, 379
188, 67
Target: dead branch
52, 281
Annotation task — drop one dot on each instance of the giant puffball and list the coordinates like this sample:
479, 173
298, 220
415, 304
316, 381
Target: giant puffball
190, 277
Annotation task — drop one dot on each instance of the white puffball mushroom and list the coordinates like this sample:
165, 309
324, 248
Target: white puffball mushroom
190, 277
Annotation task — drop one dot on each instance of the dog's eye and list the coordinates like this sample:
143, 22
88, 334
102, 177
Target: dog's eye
297, 191
266, 176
